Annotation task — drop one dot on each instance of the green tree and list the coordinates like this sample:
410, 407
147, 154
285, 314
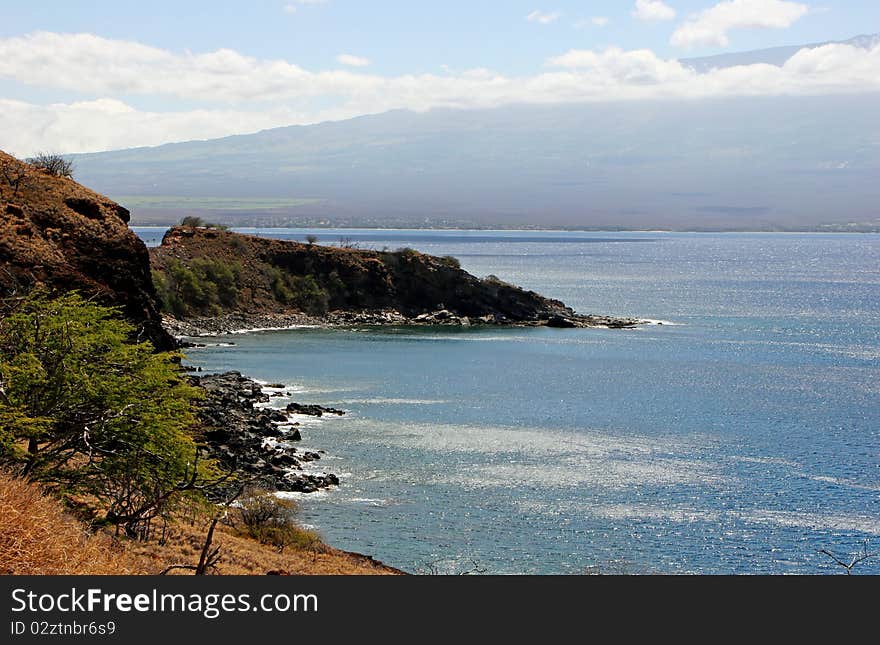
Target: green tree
86, 410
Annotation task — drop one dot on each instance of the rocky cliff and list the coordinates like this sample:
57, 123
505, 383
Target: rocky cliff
210, 272
57, 233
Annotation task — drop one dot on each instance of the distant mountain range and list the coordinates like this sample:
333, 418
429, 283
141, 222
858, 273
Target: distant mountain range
773, 56
757, 163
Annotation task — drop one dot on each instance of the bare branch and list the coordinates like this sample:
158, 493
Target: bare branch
855, 560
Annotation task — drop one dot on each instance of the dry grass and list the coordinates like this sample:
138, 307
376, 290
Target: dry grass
241, 555
38, 537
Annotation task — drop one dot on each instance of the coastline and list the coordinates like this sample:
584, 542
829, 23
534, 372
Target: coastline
242, 323
245, 430
255, 426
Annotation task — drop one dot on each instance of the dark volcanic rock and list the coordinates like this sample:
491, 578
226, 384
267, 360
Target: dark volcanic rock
57, 233
561, 322
312, 410
248, 438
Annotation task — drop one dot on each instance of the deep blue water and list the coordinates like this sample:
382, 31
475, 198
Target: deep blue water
741, 439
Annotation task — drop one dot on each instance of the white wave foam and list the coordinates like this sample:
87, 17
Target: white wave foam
320, 493
257, 330
367, 501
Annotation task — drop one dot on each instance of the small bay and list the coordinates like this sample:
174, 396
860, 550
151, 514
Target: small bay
740, 436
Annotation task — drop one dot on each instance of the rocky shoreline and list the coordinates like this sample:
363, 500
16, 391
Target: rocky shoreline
244, 322
244, 434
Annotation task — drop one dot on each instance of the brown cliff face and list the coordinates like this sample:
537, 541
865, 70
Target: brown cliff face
57, 233
345, 279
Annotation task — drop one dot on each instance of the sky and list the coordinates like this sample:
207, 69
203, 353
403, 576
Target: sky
98, 75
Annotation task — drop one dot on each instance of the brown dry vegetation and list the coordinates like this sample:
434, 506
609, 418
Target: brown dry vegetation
240, 555
38, 537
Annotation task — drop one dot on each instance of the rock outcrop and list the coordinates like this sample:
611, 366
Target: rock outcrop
339, 286
57, 233
257, 442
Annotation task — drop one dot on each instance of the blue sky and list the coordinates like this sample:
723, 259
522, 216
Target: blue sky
409, 36
360, 57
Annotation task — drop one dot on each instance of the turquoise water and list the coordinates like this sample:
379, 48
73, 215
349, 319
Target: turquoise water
743, 438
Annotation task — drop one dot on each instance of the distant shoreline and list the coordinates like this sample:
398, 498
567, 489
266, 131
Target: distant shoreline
837, 230
245, 323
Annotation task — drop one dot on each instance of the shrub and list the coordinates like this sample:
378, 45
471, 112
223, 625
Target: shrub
193, 221
85, 410
494, 280
270, 520
204, 286
15, 174
52, 164
450, 261
302, 292
224, 277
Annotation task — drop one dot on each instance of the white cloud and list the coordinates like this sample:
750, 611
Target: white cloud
108, 124
599, 21
353, 61
616, 66
236, 93
543, 18
653, 10
710, 27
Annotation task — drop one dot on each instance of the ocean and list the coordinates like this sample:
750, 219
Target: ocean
739, 437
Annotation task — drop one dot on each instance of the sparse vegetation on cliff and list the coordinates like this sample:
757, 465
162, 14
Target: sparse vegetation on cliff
52, 164
203, 286
300, 291
197, 222
277, 277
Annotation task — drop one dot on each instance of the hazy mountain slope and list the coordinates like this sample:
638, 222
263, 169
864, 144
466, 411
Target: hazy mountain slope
739, 163
772, 56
